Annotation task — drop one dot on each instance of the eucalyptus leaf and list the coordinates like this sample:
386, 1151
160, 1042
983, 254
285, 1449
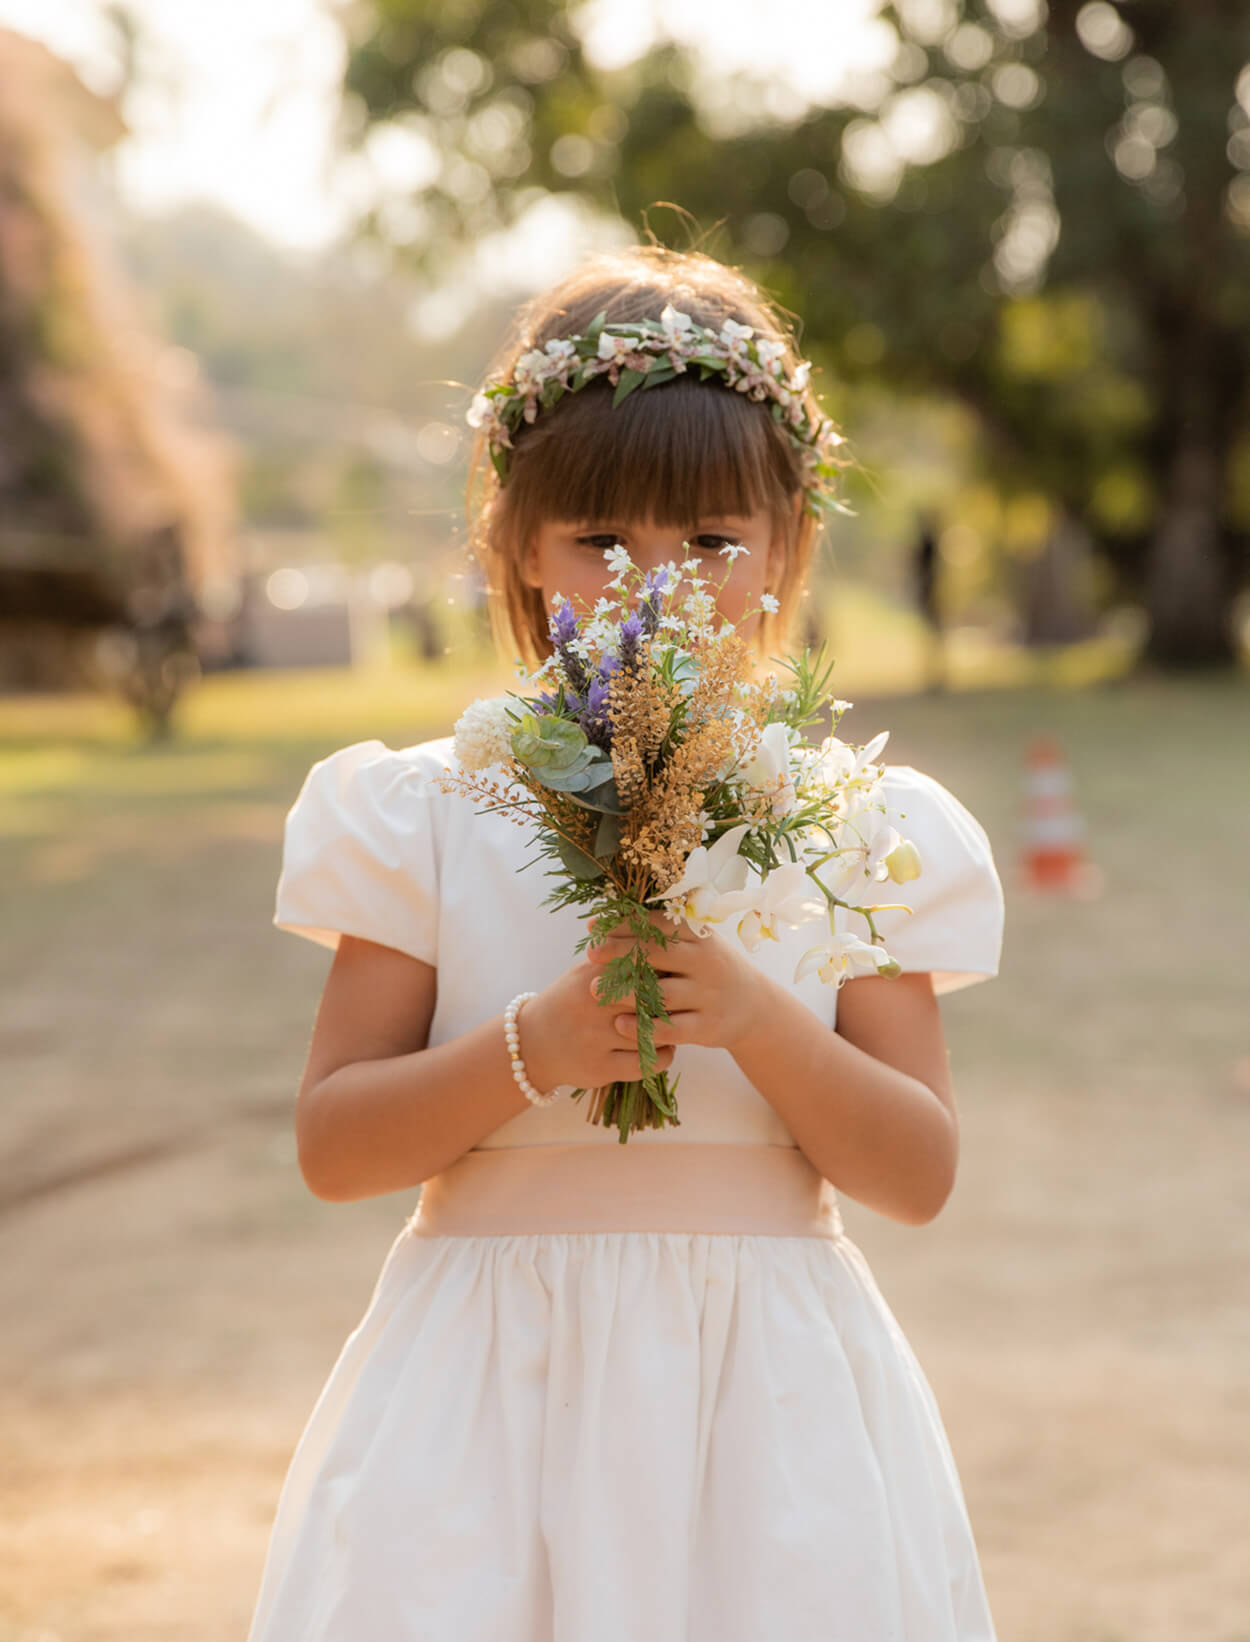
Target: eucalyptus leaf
604, 797
576, 861
608, 838
550, 743
581, 778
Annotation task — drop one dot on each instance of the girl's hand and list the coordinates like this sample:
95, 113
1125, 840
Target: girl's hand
569, 1037
709, 987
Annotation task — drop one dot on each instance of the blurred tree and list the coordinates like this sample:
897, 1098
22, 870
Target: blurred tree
1043, 213
113, 506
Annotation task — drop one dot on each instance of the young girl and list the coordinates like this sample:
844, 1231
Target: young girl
602, 1392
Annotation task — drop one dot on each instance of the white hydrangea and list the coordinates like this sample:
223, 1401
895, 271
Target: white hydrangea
483, 734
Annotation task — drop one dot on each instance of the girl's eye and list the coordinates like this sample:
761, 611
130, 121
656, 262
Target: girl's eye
708, 542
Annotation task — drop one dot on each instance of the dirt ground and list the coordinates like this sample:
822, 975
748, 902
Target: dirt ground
173, 1297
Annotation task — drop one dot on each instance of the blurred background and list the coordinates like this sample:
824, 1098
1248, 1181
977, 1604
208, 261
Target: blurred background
253, 261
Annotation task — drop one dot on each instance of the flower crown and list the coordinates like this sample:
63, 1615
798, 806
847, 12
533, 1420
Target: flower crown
646, 352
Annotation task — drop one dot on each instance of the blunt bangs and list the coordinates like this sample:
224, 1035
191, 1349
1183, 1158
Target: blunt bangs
676, 454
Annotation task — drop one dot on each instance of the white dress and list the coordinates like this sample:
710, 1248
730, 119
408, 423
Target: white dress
614, 1393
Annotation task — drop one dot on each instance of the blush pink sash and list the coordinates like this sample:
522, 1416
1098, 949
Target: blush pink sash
665, 1186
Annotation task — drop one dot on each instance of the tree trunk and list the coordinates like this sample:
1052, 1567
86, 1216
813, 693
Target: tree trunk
1188, 587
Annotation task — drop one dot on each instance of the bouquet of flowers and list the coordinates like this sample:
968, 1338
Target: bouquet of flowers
662, 772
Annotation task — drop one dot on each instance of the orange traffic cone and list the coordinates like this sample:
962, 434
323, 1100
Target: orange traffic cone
1053, 856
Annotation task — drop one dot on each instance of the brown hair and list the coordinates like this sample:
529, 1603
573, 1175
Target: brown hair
674, 453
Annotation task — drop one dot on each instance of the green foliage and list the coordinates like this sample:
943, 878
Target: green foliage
1067, 259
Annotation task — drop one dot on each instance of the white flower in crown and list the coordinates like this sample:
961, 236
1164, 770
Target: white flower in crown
615, 347
801, 376
561, 351
532, 370
482, 413
770, 353
677, 326
735, 338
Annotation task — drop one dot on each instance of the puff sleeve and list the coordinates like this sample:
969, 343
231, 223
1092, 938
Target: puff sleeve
361, 852
955, 927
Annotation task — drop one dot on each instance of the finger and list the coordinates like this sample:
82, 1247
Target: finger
627, 1063
620, 946
682, 1027
679, 992
675, 1030
597, 984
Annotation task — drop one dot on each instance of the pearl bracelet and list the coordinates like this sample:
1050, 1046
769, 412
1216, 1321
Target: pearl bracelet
513, 1039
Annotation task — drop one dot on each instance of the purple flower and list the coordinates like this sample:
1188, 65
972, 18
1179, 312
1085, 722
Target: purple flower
563, 625
631, 632
563, 630
597, 700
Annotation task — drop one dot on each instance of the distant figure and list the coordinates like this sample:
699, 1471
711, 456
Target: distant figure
925, 566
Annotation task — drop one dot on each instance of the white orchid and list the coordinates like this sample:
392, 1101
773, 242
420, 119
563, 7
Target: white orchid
677, 326
770, 353
768, 771
561, 351
615, 347
713, 884
904, 862
484, 413
865, 842
532, 370
842, 958
784, 897
842, 763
